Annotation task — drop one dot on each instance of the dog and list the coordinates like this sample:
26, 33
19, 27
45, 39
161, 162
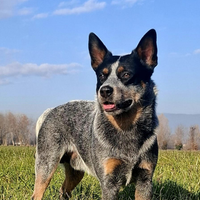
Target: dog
112, 138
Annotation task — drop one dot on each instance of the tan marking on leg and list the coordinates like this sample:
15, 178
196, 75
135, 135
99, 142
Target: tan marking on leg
74, 155
110, 164
146, 165
125, 120
39, 188
41, 185
138, 196
72, 179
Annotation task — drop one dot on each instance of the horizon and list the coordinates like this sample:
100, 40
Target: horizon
44, 58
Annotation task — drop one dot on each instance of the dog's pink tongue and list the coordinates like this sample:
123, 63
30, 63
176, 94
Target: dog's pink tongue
108, 106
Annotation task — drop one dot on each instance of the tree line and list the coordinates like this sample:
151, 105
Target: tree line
183, 138
18, 129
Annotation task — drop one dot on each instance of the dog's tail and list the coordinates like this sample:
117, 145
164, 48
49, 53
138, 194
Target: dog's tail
41, 120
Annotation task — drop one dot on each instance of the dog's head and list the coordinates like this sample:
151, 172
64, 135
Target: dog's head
122, 80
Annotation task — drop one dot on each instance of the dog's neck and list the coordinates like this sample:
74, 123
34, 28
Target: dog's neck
126, 120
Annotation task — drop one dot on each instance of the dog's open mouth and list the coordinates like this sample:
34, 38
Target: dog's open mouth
110, 107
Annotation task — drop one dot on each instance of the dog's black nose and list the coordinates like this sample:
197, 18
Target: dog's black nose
106, 91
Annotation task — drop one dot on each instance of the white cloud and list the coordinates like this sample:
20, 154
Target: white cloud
40, 16
8, 55
68, 3
17, 69
88, 6
4, 82
25, 11
197, 51
6, 51
125, 3
8, 7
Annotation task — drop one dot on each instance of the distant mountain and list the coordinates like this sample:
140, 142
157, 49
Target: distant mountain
186, 120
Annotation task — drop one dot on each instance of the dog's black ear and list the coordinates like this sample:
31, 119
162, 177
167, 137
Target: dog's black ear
97, 50
147, 48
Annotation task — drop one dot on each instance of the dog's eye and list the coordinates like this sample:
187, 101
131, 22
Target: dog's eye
126, 75
102, 77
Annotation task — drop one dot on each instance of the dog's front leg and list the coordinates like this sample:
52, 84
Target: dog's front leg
144, 190
110, 189
144, 186
113, 178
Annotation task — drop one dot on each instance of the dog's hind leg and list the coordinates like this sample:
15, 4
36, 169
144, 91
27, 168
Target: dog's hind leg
48, 157
72, 179
44, 173
41, 185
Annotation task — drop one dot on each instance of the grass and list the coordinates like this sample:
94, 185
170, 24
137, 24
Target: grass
176, 177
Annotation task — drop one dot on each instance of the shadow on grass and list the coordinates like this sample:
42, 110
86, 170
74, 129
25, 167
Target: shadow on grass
167, 190
170, 190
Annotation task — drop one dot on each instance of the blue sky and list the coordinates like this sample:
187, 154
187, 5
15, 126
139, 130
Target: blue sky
44, 60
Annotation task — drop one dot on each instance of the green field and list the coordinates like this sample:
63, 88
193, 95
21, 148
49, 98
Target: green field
177, 177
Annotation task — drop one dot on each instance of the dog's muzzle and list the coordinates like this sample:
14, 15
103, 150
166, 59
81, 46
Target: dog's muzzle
111, 106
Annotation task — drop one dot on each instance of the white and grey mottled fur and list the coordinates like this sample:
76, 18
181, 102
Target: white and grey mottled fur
105, 143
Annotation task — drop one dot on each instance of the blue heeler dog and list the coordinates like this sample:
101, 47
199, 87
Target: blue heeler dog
112, 138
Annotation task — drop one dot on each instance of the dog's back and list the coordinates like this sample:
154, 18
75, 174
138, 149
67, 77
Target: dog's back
68, 129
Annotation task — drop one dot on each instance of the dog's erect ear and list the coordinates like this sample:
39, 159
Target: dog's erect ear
147, 48
97, 50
